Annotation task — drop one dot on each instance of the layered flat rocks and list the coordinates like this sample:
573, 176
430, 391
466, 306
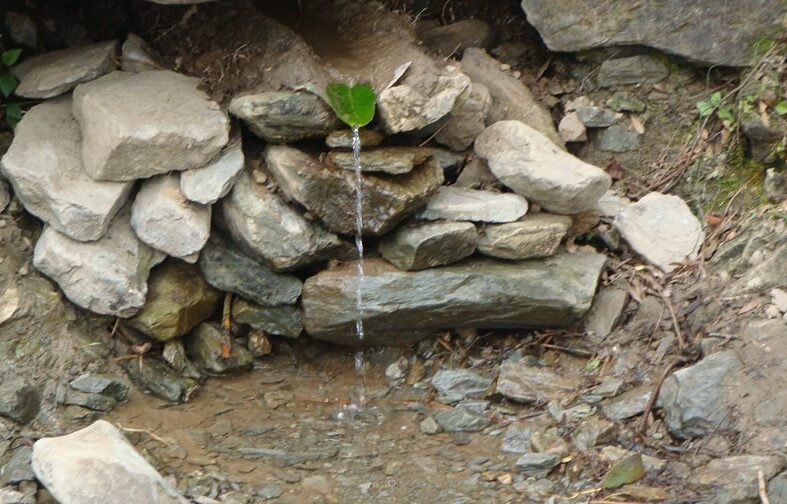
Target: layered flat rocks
537, 235
269, 230
284, 116
44, 164
139, 125
401, 307
329, 192
526, 161
285, 320
460, 204
429, 244
391, 160
167, 221
210, 183
662, 229
58, 72
343, 139
107, 276
467, 120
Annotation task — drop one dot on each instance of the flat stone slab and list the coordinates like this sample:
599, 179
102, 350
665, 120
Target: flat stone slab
662, 229
460, 204
343, 139
269, 230
429, 244
210, 183
329, 192
391, 160
98, 464
401, 307
537, 235
531, 165
283, 320
139, 125
284, 116
167, 221
55, 73
107, 276
529, 384
44, 164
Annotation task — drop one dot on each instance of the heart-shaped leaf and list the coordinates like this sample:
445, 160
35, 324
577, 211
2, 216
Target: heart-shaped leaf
7, 84
354, 105
9, 57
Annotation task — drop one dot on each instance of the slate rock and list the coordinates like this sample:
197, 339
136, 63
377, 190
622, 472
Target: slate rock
430, 426
136, 56
462, 420
228, 269
402, 307
429, 244
329, 192
516, 439
18, 468
284, 116
204, 346
107, 276
160, 380
343, 139
390, 160
606, 311
571, 128
5, 193
454, 38
617, 138
98, 464
631, 70
95, 402
110, 386
622, 101
662, 229
139, 125
630, 403
592, 432
44, 164
460, 204
533, 236
178, 299
467, 120
531, 165
52, 74
279, 320
733, 479
266, 228
166, 221
210, 183
19, 399
596, 117
529, 384
462, 382
693, 398
537, 464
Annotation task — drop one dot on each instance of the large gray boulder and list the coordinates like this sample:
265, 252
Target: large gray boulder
210, 183
58, 72
167, 221
97, 464
329, 191
107, 276
44, 164
530, 164
138, 125
269, 230
686, 28
400, 307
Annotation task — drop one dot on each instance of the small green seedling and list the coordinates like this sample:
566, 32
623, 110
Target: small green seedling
354, 105
10, 111
714, 103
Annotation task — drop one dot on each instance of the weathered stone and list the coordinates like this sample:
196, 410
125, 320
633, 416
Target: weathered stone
269, 230
343, 139
95, 402
138, 125
178, 299
734, 479
174, 354
454, 38
516, 439
617, 138
662, 229
5, 193
528, 384
693, 398
401, 307
213, 181
537, 464
606, 311
467, 120
430, 426
459, 204
205, 347
44, 164
611, 204
391, 160
476, 175
284, 116
625, 102
230, 270
596, 117
631, 70
592, 432
136, 56
537, 235
108, 276
527, 162
777, 488
609, 387
279, 320
775, 185
462, 420
426, 245
686, 29
571, 128
511, 99
97, 464
58, 72
19, 399
628, 404
166, 221
462, 382
329, 192
160, 380
110, 386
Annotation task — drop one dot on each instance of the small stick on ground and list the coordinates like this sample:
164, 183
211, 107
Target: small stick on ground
227, 324
643, 426
678, 332
762, 488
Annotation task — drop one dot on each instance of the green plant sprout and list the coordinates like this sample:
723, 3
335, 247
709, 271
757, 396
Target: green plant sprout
355, 105
11, 112
714, 103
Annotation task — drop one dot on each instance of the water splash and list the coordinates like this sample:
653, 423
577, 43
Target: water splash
359, 356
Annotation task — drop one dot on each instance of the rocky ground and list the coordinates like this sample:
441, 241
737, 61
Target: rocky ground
667, 390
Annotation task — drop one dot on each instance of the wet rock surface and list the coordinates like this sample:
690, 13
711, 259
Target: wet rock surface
284, 116
281, 320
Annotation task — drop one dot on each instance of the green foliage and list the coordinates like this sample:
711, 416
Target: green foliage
355, 105
781, 107
715, 103
627, 470
10, 112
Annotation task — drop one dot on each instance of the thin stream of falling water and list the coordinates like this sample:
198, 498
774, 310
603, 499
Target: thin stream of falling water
359, 356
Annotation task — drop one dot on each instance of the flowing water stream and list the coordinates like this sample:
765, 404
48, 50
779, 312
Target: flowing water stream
359, 356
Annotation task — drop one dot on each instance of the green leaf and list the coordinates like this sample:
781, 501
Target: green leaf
627, 470
705, 108
13, 114
715, 99
7, 84
9, 57
781, 107
726, 115
355, 105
